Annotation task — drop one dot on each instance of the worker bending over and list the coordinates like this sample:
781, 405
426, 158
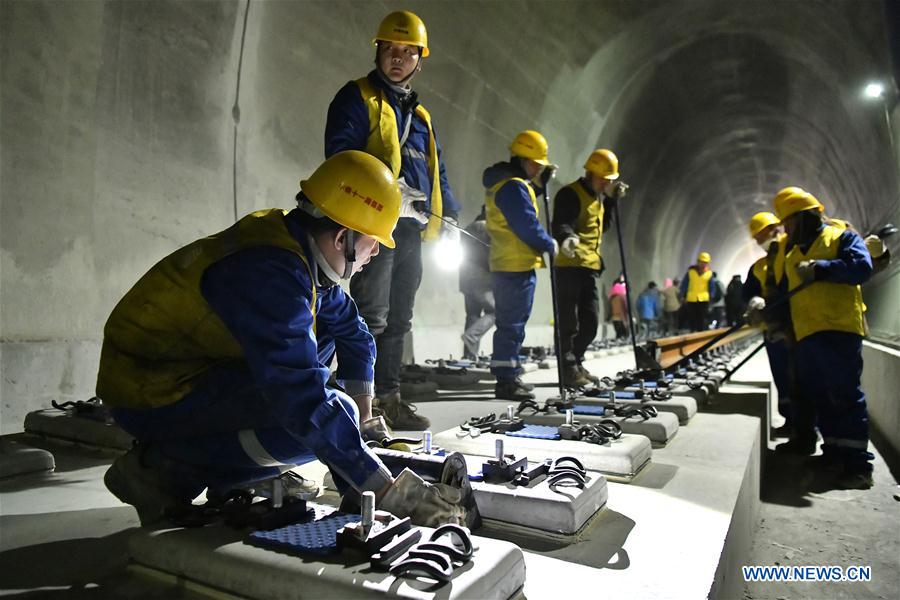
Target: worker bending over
216, 361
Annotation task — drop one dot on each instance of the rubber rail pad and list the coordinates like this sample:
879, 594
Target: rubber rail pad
625, 395
536, 432
587, 409
315, 537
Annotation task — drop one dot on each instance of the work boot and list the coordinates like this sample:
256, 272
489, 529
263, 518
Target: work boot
588, 375
797, 446
401, 415
511, 389
783, 432
573, 377
854, 480
147, 488
524, 385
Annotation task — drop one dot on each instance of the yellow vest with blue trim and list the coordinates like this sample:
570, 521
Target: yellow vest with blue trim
508, 252
698, 286
384, 143
163, 336
589, 228
823, 306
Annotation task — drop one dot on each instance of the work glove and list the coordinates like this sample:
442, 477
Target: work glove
754, 313
555, 250
806, 270
409, 197
426, 504
568, 246
616, 189
450, 232
545, 175
875, 246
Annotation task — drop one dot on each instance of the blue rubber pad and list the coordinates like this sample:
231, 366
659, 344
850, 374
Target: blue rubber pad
536, 432
650, 385
587, 409
315, 537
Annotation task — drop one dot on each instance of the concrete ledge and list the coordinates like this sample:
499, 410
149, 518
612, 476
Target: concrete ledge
18, 459
620, 460
881, 382
216, 556
81, 430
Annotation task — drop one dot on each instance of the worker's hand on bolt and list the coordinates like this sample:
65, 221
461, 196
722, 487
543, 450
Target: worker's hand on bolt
426, 504
806, 270
375, 430
568, 246
450, 230
409, 196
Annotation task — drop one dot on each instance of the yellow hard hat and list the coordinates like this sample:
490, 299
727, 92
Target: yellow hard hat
403, 27
792, 200
530, 144
704, 257
358, 191
760, 221
603, 163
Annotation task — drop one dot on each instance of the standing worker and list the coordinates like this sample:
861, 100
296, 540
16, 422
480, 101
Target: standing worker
475, 285
216, 360
648, 307
828, 318
579, 220
697, 288
717, 301
518, 242
671, 305
734, 301
380, 114
618, 308
761, 288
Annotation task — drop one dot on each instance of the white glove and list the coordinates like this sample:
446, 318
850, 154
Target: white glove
755, 308
875, 246
806, 270
427, 504
375, 430
450, 232
616, 189
409, 195
568, 246
555, 249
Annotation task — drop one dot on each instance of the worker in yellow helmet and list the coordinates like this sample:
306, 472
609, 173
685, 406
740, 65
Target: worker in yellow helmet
580, 217
518, 243
216, 361
697, 289
381, 114
761, 288
824, 264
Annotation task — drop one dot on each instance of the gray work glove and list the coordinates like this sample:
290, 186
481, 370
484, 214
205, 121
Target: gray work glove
755, 308
616, 189
408, 197
376, 430
806, 270
426, 504
568, 246
875, 246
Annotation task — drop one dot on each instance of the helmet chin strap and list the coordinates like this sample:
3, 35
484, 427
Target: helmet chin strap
349, 253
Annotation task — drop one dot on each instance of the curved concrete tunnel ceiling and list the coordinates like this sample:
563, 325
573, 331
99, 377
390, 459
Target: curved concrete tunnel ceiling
716, 107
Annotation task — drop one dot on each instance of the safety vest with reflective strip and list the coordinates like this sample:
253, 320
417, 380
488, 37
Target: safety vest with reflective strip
384, 143
163, 336
508, 252
588, 228
823, 306
698, 285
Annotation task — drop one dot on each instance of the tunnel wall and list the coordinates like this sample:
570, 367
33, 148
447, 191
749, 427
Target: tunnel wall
124, 135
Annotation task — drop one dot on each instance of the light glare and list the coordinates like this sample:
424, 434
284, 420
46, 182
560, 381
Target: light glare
874, 90
448, 254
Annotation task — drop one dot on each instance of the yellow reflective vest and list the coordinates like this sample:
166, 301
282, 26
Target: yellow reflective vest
508, 252
384, 143
163, 336
823, 305
589, 228
698, 285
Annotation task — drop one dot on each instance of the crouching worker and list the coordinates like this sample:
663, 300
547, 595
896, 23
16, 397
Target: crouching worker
216, 360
